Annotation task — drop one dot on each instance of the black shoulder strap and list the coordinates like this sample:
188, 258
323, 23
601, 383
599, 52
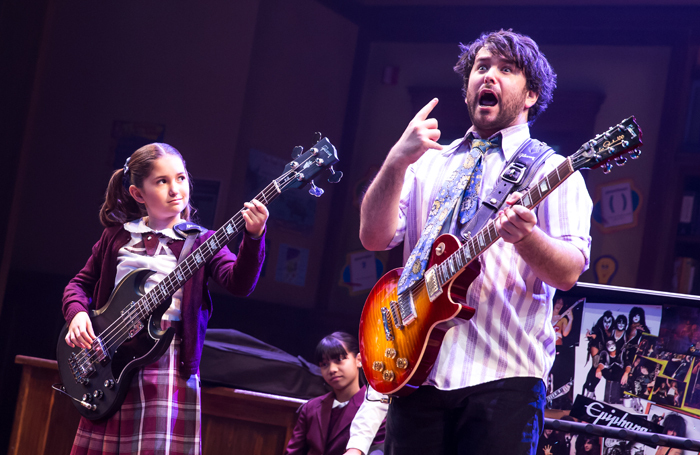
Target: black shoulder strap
516, 175
189, 231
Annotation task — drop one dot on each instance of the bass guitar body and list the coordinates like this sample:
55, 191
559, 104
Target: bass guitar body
397, 356
101, 376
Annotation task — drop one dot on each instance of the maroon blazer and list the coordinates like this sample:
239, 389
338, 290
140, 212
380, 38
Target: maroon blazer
310, 436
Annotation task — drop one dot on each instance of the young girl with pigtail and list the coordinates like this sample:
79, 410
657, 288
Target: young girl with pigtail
143, 204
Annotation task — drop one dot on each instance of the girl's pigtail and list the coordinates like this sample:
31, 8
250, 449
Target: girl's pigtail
119, 207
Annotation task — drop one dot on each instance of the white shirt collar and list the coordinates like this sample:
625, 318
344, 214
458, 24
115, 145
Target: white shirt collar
511, 138
339, 404
139, 227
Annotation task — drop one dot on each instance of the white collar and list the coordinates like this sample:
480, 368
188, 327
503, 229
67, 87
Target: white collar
511, 138
339, 404
139, 227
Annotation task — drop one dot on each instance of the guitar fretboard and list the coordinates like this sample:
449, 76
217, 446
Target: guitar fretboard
165, 289
478, 243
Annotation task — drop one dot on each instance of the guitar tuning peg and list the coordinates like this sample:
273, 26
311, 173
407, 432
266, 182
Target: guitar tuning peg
621, 160
634, 154
335, 175
315, 191
607, 167
296, 151
319, 136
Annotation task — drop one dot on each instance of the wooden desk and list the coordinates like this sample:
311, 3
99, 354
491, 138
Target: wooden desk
233, 421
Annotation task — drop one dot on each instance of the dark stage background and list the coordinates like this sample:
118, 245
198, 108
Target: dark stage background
236, 85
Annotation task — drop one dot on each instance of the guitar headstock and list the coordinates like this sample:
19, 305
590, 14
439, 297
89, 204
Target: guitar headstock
307, 165
623, 138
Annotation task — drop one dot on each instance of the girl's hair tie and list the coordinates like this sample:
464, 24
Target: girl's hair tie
126, 181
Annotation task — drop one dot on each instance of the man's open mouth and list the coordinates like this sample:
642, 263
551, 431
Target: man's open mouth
487, 99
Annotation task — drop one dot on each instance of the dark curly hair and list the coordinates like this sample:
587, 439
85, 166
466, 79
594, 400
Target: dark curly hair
526, 55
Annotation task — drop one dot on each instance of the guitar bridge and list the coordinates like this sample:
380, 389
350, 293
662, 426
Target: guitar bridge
80, 366
388, 331
431, 284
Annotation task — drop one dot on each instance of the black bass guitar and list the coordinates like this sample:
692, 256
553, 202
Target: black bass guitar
128, 326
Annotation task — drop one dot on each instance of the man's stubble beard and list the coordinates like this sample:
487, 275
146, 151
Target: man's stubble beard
508, 111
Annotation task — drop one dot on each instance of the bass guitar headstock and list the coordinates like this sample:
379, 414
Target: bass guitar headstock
306, 165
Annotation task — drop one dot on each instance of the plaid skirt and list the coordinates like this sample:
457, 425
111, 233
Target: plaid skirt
161, 415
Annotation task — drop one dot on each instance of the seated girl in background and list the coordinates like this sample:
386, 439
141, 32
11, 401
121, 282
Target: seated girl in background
323, 425
144, 202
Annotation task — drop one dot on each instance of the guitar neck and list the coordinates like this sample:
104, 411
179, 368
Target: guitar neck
193, 262
488, 235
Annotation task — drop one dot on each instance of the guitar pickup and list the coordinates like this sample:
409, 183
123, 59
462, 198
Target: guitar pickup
395, 313
431, 284
407, 310
101, 354
386, 320
135, 329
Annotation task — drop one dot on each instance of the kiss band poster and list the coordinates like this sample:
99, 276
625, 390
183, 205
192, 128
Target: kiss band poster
635, 354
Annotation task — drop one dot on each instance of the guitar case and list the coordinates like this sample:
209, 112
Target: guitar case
234, 359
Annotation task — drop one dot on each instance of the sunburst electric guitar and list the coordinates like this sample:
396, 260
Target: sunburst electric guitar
128, 326
400, 335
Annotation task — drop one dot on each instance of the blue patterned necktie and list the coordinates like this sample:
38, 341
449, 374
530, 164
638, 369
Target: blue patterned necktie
470, 201
467, 176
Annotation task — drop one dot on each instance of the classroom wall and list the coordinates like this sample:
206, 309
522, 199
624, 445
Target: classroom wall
184, 67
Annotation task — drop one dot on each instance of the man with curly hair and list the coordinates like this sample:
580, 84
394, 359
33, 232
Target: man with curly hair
485, 393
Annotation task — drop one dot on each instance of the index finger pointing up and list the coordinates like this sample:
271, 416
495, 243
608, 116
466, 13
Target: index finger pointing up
425, 111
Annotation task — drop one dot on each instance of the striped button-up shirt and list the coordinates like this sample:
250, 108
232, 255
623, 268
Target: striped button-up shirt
511, 333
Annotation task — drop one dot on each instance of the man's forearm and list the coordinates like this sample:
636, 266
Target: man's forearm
553, 261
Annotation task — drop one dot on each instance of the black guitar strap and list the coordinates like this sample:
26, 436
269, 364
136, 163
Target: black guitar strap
517, 175
190, 232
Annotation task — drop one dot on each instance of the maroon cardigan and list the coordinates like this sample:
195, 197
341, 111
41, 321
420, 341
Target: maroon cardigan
93, 285
310, 435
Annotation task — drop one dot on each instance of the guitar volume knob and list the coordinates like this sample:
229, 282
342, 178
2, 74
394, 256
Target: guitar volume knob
388, 375
390, 353
378, 366
97, 394
402, 363
109, 383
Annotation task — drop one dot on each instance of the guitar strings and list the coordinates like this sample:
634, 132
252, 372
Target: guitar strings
131, 316
139, 310
533, 193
